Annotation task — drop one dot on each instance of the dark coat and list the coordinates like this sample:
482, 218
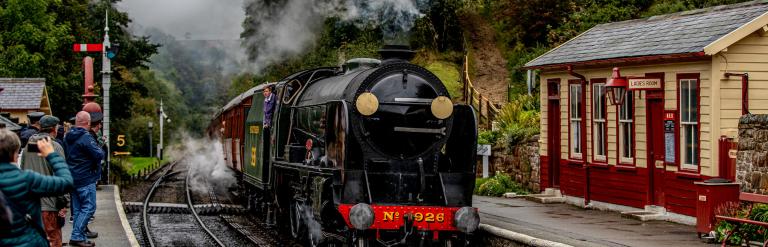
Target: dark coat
24, 189
33, 162
27, 133
84, 156
269, 108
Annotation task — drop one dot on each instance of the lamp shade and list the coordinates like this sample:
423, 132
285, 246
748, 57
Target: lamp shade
617, 87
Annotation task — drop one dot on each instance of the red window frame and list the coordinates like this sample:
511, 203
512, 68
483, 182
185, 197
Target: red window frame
678, 124
633, 131
593, 82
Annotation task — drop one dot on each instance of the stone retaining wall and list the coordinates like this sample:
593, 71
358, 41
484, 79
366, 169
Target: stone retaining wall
752, 159
520, 162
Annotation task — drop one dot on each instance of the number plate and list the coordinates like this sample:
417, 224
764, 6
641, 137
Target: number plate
432, 218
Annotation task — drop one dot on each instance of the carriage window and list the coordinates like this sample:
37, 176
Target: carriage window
626, 132
689, 122
598, 121
576, 120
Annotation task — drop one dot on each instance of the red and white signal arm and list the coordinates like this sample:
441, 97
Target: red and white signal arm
88, 47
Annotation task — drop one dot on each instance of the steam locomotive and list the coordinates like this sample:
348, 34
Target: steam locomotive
370, 154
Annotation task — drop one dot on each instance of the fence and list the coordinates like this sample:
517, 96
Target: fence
486, 110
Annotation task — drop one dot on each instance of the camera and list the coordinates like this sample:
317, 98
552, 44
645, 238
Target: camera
32, 147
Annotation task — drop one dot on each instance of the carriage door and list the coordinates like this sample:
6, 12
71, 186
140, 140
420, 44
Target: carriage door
655, 128
553, 130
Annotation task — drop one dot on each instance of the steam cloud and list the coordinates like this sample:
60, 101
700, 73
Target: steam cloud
205, 160
278, 29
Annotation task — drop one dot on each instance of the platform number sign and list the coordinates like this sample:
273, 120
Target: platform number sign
120, 140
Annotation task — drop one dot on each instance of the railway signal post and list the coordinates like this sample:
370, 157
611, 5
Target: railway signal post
106, 72
108, 51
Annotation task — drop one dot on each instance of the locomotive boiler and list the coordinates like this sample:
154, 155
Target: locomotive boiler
374, 153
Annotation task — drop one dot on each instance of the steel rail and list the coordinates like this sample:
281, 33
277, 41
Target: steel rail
144, 218
194, 212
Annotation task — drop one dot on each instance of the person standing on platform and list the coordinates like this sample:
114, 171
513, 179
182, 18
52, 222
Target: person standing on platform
24, 189
54, 208
84, 157
32, 129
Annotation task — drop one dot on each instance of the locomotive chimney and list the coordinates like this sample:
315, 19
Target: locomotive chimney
397, 52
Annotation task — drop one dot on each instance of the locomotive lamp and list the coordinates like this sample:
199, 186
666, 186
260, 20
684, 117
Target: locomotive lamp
617, 87
466, 219
367, 104
361, 216
442, 107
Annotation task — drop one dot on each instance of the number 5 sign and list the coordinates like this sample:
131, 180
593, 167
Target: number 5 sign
120, 140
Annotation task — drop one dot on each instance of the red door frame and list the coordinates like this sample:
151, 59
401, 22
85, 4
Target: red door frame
654, 109
553, 131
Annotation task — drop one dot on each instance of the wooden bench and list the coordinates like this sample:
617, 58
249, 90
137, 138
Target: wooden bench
738, 222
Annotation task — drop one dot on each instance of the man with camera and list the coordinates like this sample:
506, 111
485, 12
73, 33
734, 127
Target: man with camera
54, 209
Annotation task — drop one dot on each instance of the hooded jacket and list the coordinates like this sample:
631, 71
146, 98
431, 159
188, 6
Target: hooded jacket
84, 156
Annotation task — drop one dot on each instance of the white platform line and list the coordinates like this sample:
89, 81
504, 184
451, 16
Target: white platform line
123, 219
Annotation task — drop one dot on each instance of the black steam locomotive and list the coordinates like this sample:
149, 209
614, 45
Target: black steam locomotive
373, 153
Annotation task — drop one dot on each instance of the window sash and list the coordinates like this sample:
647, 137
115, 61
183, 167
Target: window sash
599, 121
626, 119
689, 123
575, 104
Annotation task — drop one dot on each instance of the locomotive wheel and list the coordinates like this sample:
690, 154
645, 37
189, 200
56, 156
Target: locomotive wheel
295, 217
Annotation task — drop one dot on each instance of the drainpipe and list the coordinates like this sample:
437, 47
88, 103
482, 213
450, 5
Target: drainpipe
583, 130
744, 90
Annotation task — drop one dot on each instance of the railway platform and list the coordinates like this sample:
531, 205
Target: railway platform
110, 220
567, 225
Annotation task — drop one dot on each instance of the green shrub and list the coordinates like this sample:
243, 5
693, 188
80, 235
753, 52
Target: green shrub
498, 185
519, 120
488, 137
753, 233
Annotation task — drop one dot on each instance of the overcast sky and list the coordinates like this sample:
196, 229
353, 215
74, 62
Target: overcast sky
202, 19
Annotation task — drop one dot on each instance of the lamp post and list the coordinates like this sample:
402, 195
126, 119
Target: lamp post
150, 125
617, 87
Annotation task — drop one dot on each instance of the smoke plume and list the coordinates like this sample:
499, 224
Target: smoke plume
205, 161
280, 29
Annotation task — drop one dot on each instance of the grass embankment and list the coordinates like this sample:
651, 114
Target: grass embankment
138, 164
449, 74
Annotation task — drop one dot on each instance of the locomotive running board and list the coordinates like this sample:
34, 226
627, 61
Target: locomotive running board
421, 130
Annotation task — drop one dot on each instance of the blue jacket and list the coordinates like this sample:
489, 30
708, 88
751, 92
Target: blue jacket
269, 108
24, 189
84, 156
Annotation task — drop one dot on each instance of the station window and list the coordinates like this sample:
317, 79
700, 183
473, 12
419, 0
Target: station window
689, 122
598, 121
626, 132
576, 117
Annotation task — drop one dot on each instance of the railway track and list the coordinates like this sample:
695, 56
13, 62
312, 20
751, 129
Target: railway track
148, 240
145, 223
247, 231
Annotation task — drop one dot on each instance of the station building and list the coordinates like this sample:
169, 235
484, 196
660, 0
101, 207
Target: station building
20, 96
681, 83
